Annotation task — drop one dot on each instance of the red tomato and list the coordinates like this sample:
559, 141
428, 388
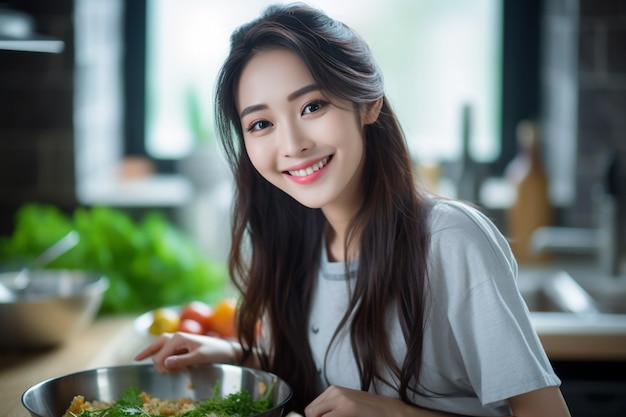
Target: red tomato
196, 310
191, 326
222, 321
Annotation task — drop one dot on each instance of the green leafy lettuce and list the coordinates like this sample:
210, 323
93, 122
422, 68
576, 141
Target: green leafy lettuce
149, 263
238, 404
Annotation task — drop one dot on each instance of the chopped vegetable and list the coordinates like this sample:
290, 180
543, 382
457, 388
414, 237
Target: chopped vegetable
131, 404
149, 263
239, 404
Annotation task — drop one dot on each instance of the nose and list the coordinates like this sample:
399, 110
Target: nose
293, 140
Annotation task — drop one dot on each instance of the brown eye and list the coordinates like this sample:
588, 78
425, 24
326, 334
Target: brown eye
259, 125
313, 107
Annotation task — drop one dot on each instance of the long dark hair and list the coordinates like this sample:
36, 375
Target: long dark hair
276, 241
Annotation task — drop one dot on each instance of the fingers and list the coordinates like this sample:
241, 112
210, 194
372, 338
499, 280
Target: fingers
321, 405
344, 402
152, 348
173, 363
165, 352
174, 352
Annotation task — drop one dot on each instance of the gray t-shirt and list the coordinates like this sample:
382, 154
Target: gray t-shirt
479, 345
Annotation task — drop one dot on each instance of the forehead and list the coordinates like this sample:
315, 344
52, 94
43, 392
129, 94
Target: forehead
271, 75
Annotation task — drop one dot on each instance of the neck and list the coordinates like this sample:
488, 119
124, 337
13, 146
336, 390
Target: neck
336, 235
339, 215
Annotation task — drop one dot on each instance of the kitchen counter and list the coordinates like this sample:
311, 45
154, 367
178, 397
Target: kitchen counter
109, 341
112, 340
566, 336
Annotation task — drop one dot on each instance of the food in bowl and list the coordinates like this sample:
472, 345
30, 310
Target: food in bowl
134, 403
52, 397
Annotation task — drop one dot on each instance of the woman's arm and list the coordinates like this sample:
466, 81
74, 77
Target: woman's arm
544, 402
344, 402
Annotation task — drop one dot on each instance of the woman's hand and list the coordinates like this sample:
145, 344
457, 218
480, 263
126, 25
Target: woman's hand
173, 352
343, 402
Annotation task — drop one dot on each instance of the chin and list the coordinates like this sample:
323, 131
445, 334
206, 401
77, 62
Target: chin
310, 204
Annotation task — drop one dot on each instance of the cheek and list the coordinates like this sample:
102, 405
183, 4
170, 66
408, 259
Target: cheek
260, 156
348, 134
344, 124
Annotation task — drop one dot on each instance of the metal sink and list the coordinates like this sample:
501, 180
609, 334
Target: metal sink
555, 291
608, 292
575, 312
582, 291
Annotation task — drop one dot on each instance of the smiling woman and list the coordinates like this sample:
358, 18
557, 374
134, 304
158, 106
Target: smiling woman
300, 139
375, 297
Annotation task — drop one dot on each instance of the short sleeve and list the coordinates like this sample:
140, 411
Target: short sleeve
474, 273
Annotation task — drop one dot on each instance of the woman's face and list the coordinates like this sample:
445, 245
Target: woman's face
305, 143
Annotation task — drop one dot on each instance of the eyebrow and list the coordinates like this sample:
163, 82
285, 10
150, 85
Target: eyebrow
291, 97
302, 91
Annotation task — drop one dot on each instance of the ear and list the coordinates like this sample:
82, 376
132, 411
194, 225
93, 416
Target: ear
370, 112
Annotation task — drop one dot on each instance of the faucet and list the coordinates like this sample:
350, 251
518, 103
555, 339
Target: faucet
608, 239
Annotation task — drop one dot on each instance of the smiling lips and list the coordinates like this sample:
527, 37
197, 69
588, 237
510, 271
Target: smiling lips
310, 173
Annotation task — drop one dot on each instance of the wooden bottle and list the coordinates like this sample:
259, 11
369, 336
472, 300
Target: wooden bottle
531, 208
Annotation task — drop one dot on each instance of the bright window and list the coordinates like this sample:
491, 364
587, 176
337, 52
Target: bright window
435, 55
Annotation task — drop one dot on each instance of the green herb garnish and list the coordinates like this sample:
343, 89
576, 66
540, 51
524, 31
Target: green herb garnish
129, 404
239, 404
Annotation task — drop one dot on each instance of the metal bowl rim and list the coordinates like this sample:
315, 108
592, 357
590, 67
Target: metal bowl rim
36, 386
94, 284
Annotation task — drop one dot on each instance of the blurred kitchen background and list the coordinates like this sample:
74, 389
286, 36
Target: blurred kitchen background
108, 103
118, 110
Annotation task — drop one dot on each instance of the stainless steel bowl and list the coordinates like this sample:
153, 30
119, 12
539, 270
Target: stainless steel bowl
56, 305
52, 397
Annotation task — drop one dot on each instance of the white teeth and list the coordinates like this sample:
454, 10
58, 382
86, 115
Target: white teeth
309, 170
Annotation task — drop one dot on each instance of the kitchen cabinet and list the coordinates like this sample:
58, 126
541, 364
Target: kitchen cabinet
593, 388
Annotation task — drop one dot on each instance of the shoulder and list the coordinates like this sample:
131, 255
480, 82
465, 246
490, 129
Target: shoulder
451, 214
461, 234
